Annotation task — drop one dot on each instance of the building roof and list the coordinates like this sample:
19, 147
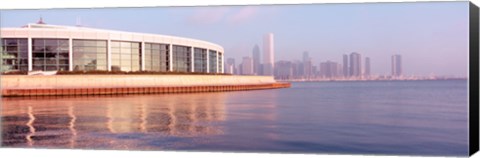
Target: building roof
41, 25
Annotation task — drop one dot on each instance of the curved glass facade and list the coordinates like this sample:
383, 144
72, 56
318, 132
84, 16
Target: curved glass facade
53, 54
181, 58
213, 61
200, 60
50, 54
156, 57
14, 54
89, 55
220, 60
126, 56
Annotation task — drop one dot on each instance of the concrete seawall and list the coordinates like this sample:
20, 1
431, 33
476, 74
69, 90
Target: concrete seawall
19, 85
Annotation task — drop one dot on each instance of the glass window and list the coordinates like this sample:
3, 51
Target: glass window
156, 47
200, 60
101, 44
135, 45
153, 56
148, 46
125, 51
115, 50
115, 57
63, 43
47, 52
102, 57
38, 67
181, 58
220, 64
115, 44
63, 61
90, 43
10, 42
90, 54
78, 43
14, 54
213, 61
50, 42
126, 44
135, 51
126, 57
50, 68
40, 43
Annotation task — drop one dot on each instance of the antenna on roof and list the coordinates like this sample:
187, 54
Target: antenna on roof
40, 21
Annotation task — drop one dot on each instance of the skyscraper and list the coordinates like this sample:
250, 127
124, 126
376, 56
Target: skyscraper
296, 68
268, 55
230, 66
314, 71
329, 69
305, 56
239, 70
283, 70
367, 67
247, 66
345, 66
307, 65
396, 65
256, 60
355, 65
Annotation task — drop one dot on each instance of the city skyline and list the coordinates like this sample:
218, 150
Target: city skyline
415, 30
351, 69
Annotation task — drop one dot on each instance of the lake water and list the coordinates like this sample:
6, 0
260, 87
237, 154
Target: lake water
372, 117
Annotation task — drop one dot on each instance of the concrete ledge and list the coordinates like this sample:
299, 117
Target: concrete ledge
18, 85
136, 90
108, 81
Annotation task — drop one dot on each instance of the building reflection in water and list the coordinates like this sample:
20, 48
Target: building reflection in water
103, 121
71, 126
31, 119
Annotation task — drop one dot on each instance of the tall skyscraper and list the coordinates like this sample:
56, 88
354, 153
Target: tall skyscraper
268, 55
307, 65
345, 66
367, 67
256, 60
397, 65
308, 68
355, 65
230, 66
247, 66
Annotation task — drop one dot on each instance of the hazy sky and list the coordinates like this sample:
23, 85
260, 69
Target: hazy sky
431, 37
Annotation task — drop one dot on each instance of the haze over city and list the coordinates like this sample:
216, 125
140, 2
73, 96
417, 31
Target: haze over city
431, 37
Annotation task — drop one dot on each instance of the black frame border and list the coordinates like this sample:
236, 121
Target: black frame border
473, 80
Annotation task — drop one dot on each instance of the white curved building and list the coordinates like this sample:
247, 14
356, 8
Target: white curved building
49, 47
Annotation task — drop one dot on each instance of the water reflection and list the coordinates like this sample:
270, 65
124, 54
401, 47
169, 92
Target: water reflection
109, 121
71, 126
410, 118
30, 126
